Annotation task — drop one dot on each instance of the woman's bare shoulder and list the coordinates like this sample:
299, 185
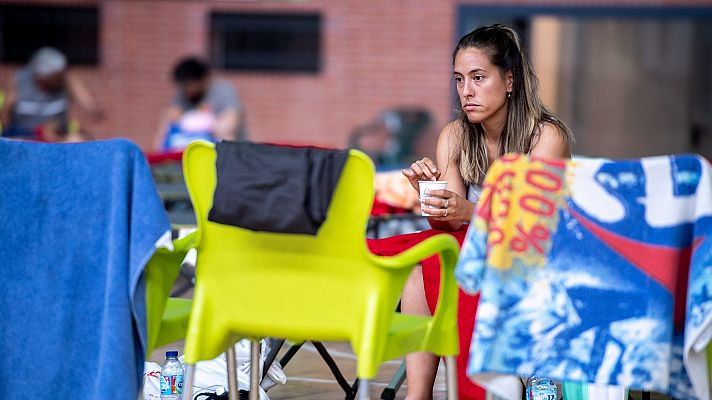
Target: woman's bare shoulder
551, 142
452, 130
450, 134
449, 142
454, 127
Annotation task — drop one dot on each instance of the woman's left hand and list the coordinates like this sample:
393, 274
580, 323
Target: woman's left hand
447, 206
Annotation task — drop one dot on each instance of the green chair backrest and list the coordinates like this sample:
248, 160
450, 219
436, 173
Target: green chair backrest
279, 278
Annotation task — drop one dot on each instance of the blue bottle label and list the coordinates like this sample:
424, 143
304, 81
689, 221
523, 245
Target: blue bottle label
171, 384
543, 394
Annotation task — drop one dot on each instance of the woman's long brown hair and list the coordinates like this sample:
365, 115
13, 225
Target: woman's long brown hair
525, 110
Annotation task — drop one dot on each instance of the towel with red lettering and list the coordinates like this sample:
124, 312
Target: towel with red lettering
595, 271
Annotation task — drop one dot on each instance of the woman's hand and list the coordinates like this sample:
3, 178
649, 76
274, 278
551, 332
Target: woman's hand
421, 170
444, 205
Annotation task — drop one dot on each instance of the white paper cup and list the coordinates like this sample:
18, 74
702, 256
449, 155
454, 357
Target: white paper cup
427, 186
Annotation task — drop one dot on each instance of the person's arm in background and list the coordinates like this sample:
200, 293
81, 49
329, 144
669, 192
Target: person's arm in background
226, 124
170, 115
79, 93
226, 103
7, 106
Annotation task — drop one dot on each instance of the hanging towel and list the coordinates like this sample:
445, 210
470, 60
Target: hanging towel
582, 269
273, 188
79, 222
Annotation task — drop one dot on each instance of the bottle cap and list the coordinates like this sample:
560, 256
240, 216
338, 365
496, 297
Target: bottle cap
171, 354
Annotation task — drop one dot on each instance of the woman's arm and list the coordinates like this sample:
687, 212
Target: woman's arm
459, 209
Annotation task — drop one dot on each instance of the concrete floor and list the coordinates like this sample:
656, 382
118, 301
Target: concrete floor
308, 376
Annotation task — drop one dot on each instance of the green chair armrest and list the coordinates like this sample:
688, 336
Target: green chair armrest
438, 244
445, 315
160, 273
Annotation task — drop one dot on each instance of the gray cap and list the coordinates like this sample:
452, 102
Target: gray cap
47, 61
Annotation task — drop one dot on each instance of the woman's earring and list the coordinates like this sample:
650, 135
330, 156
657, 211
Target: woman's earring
509, 94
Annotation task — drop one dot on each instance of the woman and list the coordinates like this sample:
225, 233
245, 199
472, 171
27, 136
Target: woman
500, 112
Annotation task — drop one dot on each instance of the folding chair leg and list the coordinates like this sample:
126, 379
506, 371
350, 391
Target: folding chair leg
255, 347
271, 356
364, 390
232, 387
389, 393
348, 389
354, 391
188, 381
290, 353
451, 374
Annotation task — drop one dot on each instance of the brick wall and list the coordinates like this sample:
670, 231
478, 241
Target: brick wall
376, 54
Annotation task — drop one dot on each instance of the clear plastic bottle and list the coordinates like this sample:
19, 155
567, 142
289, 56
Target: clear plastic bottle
530, 382
171, 377
542, 389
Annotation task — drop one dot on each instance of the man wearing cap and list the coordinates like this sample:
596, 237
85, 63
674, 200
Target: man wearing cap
37, 106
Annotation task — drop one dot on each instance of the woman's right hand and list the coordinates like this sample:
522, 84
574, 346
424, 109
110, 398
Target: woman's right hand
421, 170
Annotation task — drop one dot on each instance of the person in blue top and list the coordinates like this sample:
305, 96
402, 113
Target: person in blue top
204, 107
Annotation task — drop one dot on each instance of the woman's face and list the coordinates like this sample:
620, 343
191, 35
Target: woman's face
481, 86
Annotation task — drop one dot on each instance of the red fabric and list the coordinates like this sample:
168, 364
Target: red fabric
155, 158
177, 155
297, 145
382, 208
467, 305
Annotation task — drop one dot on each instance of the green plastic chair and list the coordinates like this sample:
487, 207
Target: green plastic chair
167, 317
301, 287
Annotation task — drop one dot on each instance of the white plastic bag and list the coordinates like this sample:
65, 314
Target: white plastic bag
151, 381
275, 374
212, 374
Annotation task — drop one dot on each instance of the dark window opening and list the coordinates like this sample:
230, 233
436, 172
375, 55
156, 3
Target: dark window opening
73, 30
266, 42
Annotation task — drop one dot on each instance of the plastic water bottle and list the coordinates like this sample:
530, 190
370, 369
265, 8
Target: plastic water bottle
171, 377
541, 389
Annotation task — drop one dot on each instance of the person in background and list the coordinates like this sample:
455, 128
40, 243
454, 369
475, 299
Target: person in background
37, 106
204, 107
500, 112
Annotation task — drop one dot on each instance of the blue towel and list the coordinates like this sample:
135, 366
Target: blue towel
79, 222
594, 271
